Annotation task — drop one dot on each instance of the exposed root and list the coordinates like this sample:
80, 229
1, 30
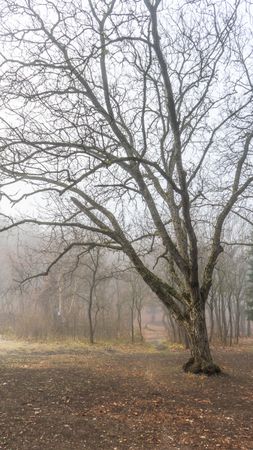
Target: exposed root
201, 367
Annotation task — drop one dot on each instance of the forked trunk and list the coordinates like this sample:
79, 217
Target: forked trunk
201, 359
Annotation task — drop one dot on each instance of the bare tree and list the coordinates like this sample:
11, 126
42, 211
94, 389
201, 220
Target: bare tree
123, 114
91, 273
137, 292
227, 300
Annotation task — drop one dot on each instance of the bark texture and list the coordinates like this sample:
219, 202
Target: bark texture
201, 360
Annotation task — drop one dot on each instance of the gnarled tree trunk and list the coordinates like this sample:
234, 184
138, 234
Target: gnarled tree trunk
201, 360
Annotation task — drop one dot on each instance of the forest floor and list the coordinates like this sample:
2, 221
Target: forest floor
73, 397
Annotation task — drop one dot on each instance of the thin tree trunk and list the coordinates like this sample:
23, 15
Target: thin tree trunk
74, 325
90, 307
91, 333
170, 326
224, 322
118, 309
248, 328
173, 329
211, 308
218, 318
230, 321
237, 319
132, 322
139, 320
211, 324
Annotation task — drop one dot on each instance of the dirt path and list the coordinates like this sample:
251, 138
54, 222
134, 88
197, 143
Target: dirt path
60, 398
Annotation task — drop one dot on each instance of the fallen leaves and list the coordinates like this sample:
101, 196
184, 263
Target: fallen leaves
121, 400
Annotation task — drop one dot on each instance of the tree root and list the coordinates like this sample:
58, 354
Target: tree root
201, 367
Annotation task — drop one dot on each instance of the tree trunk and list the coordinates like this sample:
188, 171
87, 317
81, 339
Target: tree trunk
90, 318
132, 321
237, 319
211, 316
139, 320
218, 318
201, 359
224, 322
211, 323
173, 327
186, 340
230, 321
248, 328
91, 331
169, 324
118, 320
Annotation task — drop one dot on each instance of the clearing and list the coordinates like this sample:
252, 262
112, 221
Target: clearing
71, 397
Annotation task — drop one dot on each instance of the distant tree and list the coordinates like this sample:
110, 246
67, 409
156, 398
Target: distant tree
137, 292
92, 272
249, 290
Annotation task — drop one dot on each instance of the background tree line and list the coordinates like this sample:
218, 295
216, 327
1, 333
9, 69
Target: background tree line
96, 296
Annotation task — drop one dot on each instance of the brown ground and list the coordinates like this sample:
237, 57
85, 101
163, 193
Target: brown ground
59, 397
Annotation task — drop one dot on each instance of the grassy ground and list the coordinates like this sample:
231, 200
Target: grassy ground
71, 397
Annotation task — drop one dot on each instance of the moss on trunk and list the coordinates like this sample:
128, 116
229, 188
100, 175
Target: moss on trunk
201, 360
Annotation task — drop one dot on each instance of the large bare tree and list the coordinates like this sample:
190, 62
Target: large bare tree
135, 118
